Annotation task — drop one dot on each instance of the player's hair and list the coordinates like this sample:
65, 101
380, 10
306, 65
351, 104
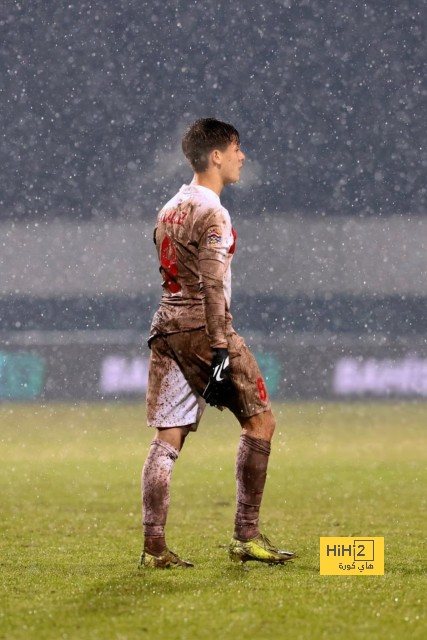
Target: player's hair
203, 137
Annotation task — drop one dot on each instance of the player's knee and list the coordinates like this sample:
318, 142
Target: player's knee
174, 435
270, 425
184, 433
273, 424
260, 426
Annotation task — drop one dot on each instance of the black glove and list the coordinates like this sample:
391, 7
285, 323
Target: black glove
220, 383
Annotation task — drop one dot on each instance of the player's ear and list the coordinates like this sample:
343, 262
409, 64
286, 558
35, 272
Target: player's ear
216, 157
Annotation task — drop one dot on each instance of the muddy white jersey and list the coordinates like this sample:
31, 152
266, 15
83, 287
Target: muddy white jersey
195, 243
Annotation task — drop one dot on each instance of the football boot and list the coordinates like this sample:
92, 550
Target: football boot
166, 560
259, 549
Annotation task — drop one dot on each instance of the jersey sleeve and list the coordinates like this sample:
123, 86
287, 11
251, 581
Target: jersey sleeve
212, 250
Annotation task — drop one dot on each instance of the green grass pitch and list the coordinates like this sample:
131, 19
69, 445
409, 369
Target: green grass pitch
71, 535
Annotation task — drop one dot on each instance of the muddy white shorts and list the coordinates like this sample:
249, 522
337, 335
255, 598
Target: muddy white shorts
180, 365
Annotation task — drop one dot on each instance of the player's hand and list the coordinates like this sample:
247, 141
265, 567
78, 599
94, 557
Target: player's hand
220, 383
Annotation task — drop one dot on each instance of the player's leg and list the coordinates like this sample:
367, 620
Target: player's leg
174, 436
253, 410
173, 409
156, 477
261, 425
251, 473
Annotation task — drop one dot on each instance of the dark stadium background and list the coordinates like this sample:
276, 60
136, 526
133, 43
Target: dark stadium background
330, 101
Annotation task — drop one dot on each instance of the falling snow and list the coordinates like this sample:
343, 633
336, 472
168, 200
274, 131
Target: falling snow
329, 99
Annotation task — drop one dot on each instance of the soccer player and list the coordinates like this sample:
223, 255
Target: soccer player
196, 356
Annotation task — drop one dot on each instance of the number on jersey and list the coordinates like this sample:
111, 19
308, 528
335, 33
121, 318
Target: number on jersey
168, 264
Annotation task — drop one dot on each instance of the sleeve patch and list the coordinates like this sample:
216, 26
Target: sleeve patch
214, 238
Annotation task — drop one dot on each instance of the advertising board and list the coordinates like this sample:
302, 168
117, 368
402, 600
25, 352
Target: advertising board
108, 371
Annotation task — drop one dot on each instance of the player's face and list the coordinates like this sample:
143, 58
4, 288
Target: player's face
231, 163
